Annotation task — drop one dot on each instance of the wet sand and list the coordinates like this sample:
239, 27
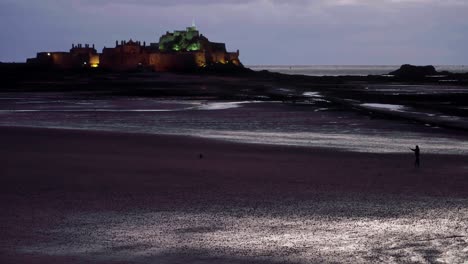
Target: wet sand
72, 196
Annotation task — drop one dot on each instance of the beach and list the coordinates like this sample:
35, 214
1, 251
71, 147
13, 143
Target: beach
257, 168
80, 196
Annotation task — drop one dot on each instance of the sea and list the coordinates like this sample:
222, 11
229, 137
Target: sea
350, 70
313, 122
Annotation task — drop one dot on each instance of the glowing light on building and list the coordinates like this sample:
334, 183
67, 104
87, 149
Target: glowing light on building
186, 40
194, 47
181, 49
94, 60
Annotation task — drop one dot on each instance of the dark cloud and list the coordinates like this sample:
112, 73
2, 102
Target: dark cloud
163, 2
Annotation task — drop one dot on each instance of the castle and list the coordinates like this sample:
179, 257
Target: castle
176, 51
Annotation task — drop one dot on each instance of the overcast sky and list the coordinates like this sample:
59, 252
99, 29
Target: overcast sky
301, 32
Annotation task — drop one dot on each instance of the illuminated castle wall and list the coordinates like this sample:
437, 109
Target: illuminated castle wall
180, 61
188, 49
125, 56
78, 57
176, 51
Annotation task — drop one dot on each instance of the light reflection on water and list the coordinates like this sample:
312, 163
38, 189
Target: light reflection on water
417, 89
390, 107
313, 231
354, 142
244, 121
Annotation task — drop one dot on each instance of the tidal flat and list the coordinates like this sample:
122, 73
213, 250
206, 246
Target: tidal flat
167, 168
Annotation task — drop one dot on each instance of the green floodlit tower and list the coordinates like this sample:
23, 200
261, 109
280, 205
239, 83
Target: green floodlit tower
183, 40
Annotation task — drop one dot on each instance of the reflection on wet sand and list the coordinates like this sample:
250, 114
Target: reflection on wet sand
355, 229
313, 123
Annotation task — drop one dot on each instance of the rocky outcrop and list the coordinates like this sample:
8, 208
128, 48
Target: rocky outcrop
408, 71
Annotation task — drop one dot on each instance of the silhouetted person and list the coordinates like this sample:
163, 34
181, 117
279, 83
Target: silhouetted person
200, 156
416, 155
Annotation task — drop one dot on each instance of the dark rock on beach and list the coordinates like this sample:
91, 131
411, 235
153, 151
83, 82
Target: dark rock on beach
408, 71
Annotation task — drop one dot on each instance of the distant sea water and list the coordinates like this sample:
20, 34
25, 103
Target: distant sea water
337, 70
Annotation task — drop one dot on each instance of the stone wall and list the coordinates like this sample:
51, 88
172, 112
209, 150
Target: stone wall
63, 60
233, 57
180, 61
124, 57
76, 58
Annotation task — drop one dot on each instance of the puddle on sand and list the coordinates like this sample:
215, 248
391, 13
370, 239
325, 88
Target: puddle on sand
391, 107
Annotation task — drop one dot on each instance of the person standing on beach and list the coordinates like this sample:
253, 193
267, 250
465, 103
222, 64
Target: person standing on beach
416, 155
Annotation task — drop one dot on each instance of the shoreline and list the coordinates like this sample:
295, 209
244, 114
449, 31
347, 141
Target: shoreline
13, 137
225, 140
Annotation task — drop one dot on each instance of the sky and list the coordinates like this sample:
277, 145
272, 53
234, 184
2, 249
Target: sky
267, 32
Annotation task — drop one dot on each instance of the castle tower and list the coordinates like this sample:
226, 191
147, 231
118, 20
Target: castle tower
193, 27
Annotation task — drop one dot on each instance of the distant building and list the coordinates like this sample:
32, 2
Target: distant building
125, 56
176, 51
187, 49
79, 56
